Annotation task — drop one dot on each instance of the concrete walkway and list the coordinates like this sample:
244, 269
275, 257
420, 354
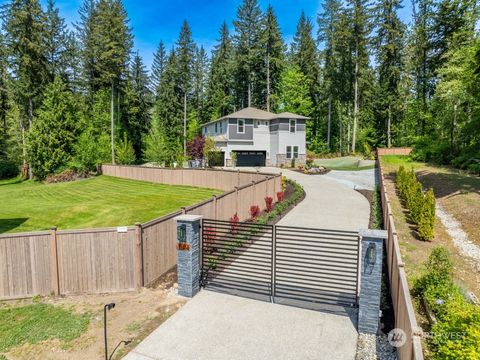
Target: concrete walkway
214, 326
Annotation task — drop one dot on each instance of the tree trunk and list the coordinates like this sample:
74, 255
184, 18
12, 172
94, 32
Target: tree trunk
112, 126
268, 81
185, 124
389, 127
30, 122
355, 106
454, 121
348, 128
340, 118
329, 125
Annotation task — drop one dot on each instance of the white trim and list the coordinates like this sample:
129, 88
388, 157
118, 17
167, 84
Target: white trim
290, 126
238, 126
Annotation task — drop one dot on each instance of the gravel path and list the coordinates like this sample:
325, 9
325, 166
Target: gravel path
460, 239
372, 347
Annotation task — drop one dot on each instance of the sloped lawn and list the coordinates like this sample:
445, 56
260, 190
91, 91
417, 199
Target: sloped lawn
96, 202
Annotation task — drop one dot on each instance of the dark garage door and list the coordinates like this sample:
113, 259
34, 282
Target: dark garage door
251, 158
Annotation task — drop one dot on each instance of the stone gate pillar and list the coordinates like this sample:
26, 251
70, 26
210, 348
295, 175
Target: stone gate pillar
371, 258
188, 254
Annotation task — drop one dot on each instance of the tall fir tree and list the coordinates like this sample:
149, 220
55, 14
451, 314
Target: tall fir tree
137, 104
158, 67
220, 81
304, 54
56, 37
274, 52
249, 61
389, 45
200, 74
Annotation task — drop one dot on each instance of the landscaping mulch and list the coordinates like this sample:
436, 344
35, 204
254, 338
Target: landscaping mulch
65, 176
322, 172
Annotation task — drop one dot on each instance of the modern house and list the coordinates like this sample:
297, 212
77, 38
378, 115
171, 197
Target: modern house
259, 138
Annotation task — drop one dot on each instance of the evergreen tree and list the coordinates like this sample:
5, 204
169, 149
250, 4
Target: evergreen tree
293, 92
305, 55
4, 99
138, 102
55, 42
389, 44
51, 138
185, 56
220, 81
249, 61
200, 73
274, 51
158, 67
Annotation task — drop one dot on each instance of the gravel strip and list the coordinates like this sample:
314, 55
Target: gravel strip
460, 239
372, 347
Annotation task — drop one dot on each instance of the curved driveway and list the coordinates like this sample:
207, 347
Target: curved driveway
329, 203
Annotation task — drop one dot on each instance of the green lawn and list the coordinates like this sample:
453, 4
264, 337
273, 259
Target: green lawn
37, 322
95, 202
349, 163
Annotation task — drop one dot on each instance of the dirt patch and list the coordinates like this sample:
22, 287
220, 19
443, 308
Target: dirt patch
415, 252
135, 316
64, 176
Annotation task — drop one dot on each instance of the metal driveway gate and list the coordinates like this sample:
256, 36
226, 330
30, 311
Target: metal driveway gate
282, 264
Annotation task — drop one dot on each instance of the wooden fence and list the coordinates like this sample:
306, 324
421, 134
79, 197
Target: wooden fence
62, 262
400, 293
207, 178
394, 151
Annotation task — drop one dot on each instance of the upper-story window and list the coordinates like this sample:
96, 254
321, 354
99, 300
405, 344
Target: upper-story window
216, 128
293, 125
240, 126
221, 127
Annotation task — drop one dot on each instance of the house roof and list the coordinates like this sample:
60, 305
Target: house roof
290, 115
254, 113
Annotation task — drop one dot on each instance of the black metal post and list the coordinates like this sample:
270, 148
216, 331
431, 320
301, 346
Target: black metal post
105, 308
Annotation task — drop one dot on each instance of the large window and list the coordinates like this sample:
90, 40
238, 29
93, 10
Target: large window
221, 127
216, 128
240, 126
293, 125
292, 152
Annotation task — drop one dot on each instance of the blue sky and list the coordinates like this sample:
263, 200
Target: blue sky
153, 21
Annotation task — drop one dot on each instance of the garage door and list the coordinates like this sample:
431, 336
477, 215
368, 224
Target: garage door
251, 158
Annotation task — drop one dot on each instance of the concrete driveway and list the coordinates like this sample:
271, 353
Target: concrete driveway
331, 201
214, 326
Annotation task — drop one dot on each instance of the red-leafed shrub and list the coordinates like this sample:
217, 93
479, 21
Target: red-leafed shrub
234, 220
280, 195
195, 147
254, 211
269, 203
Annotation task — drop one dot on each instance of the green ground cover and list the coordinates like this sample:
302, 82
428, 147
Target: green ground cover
347, 163
37, 322
94, 202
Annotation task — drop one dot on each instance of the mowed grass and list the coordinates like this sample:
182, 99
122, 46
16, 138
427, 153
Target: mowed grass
345, 163
37, 322
95, 202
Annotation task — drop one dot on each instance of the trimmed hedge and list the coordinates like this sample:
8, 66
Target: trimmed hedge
456, 334
8, 169
421, 205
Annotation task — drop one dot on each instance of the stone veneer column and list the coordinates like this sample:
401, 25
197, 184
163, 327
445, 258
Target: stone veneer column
188, 254
370, 279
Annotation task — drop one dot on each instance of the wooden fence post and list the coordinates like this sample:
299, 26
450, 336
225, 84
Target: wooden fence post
139, 276
55, 279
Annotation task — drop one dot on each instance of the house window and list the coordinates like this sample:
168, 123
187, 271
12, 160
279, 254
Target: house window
221, 127
292, 152
241, 126
216, 128
293, 125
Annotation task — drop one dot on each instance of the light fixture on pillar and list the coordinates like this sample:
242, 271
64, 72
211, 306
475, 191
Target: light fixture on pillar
370, 258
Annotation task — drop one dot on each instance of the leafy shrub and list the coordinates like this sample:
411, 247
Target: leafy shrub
8, 169
254, 211
280, 196
292, 163
269, 203
284, 183
420, 205
456, 335
124, 153
195, 147
234, 223
90, 151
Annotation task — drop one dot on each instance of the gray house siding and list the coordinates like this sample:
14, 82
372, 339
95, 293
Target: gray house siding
235, 135
284, 125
